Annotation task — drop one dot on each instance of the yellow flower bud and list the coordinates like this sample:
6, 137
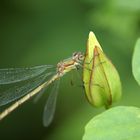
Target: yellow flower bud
101, 79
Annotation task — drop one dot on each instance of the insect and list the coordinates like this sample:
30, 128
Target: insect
99, 75
23, 83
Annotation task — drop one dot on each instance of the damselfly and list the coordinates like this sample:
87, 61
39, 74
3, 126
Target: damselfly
23, 83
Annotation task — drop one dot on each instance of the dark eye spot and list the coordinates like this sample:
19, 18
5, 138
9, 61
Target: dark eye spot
75, 54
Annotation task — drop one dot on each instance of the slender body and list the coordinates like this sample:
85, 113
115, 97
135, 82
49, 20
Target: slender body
62, 68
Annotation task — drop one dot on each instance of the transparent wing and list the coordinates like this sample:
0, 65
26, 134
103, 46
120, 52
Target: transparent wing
50, 106
38, 96
14, 91
13, 75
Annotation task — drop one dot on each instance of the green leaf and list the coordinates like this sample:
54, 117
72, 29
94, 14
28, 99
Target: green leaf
118, 123
136, 62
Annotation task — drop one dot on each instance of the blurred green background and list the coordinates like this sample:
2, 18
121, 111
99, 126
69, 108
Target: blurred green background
36, 32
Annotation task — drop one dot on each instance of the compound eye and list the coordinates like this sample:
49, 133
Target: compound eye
81, 57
